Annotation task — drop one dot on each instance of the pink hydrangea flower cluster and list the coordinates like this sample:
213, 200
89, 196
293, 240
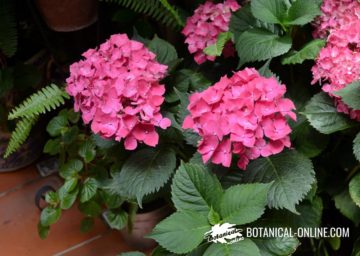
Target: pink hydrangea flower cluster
335, 14
203, 28
338, 63
245, 115
116, 88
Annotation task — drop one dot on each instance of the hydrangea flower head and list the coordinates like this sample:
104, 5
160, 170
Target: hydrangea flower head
335, 14
203, 28
116, 88
337, 64
245, 115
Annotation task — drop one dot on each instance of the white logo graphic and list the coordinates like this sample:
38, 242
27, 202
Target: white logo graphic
225, 233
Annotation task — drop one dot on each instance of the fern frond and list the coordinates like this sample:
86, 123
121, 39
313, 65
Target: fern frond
48, 98
19, 135
174, 12
8, 31
159, 10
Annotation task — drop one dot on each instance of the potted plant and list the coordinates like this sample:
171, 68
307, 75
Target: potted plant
244, 142
95, 171
66, 16
120, 164
21, 72
203, 217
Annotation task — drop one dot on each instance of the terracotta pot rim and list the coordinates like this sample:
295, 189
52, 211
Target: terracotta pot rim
73, 28
145, 215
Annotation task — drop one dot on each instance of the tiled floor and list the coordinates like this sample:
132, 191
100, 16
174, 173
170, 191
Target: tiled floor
19, 217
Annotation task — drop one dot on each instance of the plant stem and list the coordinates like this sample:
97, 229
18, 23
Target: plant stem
313, 247
353, 172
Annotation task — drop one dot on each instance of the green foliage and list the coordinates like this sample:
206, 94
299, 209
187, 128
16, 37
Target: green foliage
90, 208
269, 11
190, 189
49, 216
257, 33
309, 52
174, 12
101, 142
298, 12
242, 204
309, 215
354, 189
217, 48
8, 29
356, 146
52, 198
181, 232
159, 10
57, 125
67, 198
19, 135
213, 217
87, 224
70, 184
45, 100
356, 249
145, 172
302, 12
184, 230
279, 246
350, 95
20, 77
306, 139
292, 175
71, 168
88, 189
347, 207
189, 80
116, 220
323, 116
244, 247
43, 231
243, 20
87, 151
260, 44
266, 71
165, 52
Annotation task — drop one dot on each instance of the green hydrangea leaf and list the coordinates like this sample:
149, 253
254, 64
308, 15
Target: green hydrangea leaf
323, 115
292, 174
181, 232
190, 189
245, 203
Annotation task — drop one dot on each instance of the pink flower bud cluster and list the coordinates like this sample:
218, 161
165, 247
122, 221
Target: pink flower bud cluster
337, 64
116, 88
203, 28
245, 115
335, 14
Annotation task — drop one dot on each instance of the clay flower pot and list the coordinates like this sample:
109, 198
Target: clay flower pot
27, 153
68, 15
142, 226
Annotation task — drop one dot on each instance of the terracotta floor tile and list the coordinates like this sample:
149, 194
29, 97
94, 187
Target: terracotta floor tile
13, 180
108, 244
19, 217
18, 225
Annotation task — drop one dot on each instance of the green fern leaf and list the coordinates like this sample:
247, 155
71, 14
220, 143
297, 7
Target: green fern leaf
159, 10
19, 135
48, 98
174, 12
8, 32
